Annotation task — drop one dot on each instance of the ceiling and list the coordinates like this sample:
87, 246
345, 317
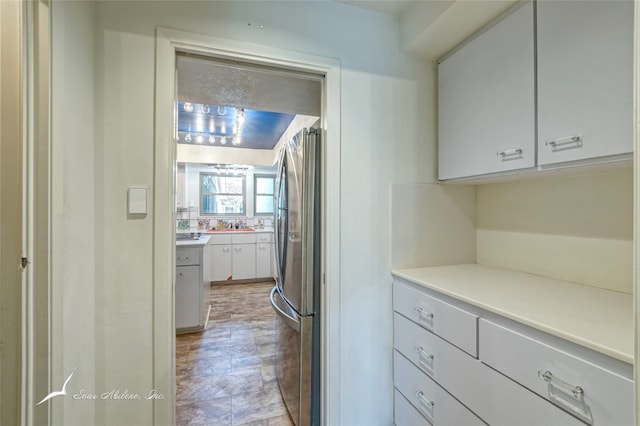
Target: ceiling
269, 97
213, 125
390, 7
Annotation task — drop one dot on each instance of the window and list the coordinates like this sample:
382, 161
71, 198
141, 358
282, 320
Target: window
263, 194
222, 194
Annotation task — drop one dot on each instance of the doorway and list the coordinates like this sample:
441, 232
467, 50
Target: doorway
170, 43
233, 119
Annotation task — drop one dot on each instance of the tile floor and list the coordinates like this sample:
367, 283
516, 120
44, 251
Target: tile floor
225, 375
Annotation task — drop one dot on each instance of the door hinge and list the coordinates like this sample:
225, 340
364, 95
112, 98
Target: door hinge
23, 263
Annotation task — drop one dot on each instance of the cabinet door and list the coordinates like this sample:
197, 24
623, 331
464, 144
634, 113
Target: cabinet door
220, 262
585, 79
188, 289
263, 260
244, 261
486, 101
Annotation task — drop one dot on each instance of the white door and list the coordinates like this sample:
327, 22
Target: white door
263, 260
486, 103
585, 79
221, 262
188, 289
244, 261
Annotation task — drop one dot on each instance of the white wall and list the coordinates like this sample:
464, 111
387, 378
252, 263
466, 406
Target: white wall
387, 135
574, 228
76, 241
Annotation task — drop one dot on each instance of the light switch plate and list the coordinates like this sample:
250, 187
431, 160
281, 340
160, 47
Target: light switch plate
137, 200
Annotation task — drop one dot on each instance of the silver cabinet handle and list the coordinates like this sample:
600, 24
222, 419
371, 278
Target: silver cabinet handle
426, 405
510, 154
566, 396
425, 318
425, 359
568, 142
424, 353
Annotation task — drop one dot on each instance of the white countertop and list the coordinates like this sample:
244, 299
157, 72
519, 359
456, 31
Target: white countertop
201, 241
240, 231
601, 320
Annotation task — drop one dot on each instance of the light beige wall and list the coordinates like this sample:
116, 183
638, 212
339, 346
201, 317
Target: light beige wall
577, 229
432, 225
74, 240
386, 135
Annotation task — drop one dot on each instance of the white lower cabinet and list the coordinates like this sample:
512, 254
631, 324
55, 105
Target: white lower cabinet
405, 413
432, 401
191, 289
244, 261
520, 376
589, 392
263, 260
241, 256
188, 288
221, 262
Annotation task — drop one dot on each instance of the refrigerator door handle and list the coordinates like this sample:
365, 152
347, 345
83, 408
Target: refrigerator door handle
289, 319
280, 187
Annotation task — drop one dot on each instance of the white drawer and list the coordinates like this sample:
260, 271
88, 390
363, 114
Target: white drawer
405, 414
435, 357
502, 402
187, 256
263, 237
447, 321
218, 239
243, 238
607, 397
433, 402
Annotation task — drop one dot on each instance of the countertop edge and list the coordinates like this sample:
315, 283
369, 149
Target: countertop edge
613, 352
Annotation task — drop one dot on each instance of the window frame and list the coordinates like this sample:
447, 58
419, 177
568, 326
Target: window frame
203, 194
256, 194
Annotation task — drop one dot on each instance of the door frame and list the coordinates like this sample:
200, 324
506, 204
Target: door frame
168, 43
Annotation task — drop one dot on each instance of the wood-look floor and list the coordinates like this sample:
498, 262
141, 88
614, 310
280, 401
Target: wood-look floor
225, 375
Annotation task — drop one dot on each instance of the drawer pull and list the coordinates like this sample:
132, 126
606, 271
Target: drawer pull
425, 359
565, 143
510, 154
424, 316
566, 396
425, 404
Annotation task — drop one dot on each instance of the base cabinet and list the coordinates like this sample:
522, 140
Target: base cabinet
221, 262
517, 375
191, 289
187, 295
241, 256
243, 261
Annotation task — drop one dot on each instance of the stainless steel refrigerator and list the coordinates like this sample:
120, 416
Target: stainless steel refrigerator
296, 295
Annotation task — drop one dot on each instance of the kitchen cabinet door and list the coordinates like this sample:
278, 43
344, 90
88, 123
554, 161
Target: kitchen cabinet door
244, 261
263, 260
187, 295
486, 101
221, 262
585, 80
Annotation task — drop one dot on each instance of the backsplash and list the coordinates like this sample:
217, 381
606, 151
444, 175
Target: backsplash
188, 220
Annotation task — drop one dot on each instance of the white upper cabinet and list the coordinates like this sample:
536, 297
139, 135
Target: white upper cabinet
585, 80
486, 101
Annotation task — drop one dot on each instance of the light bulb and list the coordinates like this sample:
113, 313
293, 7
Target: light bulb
200, 138
187, 137
223, 140
212, 139
222, 110
188, 107
206, 109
